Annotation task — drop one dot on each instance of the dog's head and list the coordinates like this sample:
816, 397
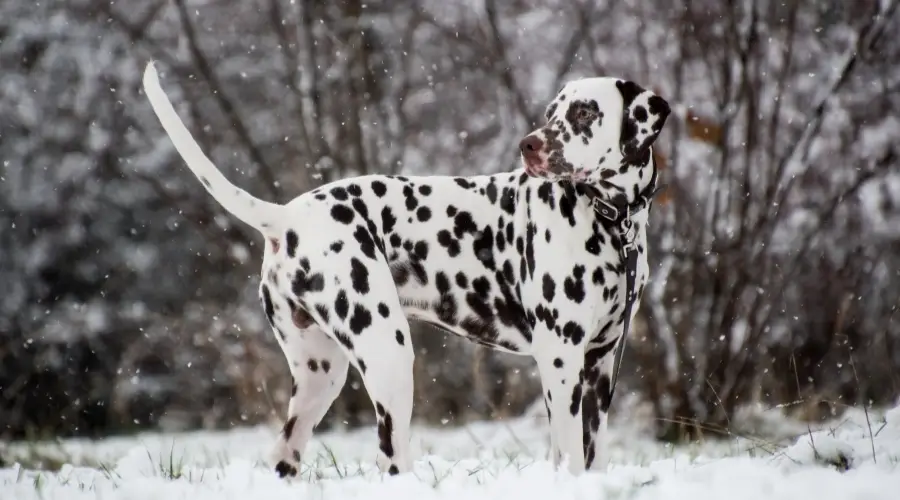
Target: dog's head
595, 126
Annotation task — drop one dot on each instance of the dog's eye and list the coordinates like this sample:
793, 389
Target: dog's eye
584, 114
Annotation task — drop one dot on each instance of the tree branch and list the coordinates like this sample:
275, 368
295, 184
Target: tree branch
866, 39
506, 75
224, 102
292, 65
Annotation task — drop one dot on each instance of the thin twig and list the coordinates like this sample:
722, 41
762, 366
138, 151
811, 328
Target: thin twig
808, 427
721, 405
864, 405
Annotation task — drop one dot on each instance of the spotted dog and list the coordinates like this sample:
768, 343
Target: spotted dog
523, 262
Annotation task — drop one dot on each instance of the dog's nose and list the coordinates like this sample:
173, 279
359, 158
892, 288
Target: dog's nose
530, 146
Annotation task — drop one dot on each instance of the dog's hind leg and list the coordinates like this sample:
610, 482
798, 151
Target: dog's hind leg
384, 356
318, 372
388, 375
364, 315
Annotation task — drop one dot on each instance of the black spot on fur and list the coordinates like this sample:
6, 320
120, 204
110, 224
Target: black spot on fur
291, 240
360, 319
289, 427
581, 116
463, 224
361, 208
483, 246
446, 307
491, 192
343, 339
385, 431
419, 272
366, 243
337, 246
482, 287
597, 277
574, 285
339, 193
411, 201
323, 312
594, 244
530, 231
383, 310
359, 276
551, 109
342, 213
558, 362
420, 250
545, 194
387, 220
341, 304
604, 392
573, 331
640, 114
549, 287
446, 240
379, 188
575, 405
304, 283
399, 336
508, 200
423, 214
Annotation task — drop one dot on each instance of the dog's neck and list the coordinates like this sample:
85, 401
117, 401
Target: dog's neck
629, 182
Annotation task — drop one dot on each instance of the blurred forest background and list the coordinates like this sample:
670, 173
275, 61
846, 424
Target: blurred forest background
129, 297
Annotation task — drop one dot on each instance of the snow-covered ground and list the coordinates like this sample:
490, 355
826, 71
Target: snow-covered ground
849, 458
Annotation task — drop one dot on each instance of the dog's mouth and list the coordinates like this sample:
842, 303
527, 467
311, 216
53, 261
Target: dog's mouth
536, 167
551, 166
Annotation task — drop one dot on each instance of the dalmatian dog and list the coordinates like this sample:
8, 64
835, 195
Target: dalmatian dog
522, 261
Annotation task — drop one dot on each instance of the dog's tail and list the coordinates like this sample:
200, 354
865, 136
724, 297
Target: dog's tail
262, 215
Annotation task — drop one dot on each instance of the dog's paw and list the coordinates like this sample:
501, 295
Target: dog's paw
287, 461
284, 469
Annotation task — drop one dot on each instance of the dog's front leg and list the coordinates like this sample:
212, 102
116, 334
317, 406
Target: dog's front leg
560, 364
599, 360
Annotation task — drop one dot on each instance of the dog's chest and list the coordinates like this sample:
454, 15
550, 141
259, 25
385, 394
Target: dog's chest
577, 289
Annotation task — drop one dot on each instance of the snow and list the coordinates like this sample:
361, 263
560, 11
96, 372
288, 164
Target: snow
852, 457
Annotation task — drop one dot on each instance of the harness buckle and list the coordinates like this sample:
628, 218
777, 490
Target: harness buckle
628, 238
605, 209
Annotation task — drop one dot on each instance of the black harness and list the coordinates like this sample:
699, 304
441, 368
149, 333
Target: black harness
619, 214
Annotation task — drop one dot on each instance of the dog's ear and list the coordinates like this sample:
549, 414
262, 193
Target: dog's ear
643, 115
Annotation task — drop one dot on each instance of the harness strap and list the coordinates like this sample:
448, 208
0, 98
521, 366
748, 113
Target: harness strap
621, 217
631, 256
